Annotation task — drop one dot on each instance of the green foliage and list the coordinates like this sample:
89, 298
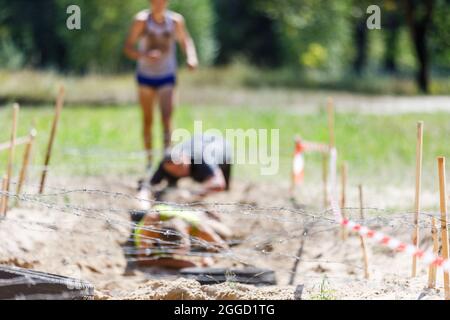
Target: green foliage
315, 56
39, 29
312, 27
10, 55
244, 30
440, 35
315, 38
97, 46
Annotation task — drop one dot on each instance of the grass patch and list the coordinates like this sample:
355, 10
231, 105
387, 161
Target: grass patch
97, 140
39, 87
325, 293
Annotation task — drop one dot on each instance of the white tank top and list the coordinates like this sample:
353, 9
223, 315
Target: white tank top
161, 37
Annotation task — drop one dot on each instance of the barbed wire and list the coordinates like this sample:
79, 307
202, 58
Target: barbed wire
388, 217
254, 245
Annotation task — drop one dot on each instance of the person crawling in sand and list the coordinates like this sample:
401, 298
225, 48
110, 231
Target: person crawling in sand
166, 236
206, 159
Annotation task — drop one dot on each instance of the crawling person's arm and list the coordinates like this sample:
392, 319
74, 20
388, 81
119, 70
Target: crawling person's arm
207, 234
182, 230
216, 183
158, 176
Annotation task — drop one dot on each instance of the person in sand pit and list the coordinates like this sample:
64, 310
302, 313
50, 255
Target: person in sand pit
204, 158
152, 43
165, 236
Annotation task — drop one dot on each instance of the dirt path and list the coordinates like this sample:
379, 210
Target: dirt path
303, 101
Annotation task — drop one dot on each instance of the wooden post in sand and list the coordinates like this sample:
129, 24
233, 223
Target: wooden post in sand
325, 179
4, 198
58, 108
432, 269
26, 160
344, 173
444, 230
330, 112
12, 148
361, 238
416, 236
331, 145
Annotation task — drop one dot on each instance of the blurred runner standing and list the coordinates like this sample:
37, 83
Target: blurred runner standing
152, 43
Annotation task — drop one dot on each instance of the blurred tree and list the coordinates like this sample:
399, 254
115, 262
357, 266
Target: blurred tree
38, 29
360, 35
361, 46
392, 22
419, 15
321, 39
440, 36
242, 29
35, 34
308, 24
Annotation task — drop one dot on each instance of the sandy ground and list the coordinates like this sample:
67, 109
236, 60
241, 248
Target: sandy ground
80, 235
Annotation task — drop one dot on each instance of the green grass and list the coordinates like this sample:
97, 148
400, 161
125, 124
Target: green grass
97, 140
324, 292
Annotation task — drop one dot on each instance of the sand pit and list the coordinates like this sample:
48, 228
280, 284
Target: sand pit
184, 289
80, 234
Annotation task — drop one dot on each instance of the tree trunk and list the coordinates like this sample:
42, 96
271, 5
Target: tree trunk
418, 27
361, 47
393, 28
420, 43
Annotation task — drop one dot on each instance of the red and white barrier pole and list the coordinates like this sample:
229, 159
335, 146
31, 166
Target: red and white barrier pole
298, 165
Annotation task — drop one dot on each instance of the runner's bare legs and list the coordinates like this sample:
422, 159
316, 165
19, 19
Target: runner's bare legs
166, 104
147, 97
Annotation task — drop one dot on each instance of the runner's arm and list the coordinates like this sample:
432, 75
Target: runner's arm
133, 37
186, 42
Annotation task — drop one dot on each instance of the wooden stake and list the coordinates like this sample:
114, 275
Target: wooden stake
330, 110
332, 143
4, 198
444, 231
58, 108
26, 160
432, 269
416, 235
325, 179
12, 149
344, 172
361, 238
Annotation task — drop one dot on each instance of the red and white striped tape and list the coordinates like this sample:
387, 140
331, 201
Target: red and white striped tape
428, 257
19, 141
316, 147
